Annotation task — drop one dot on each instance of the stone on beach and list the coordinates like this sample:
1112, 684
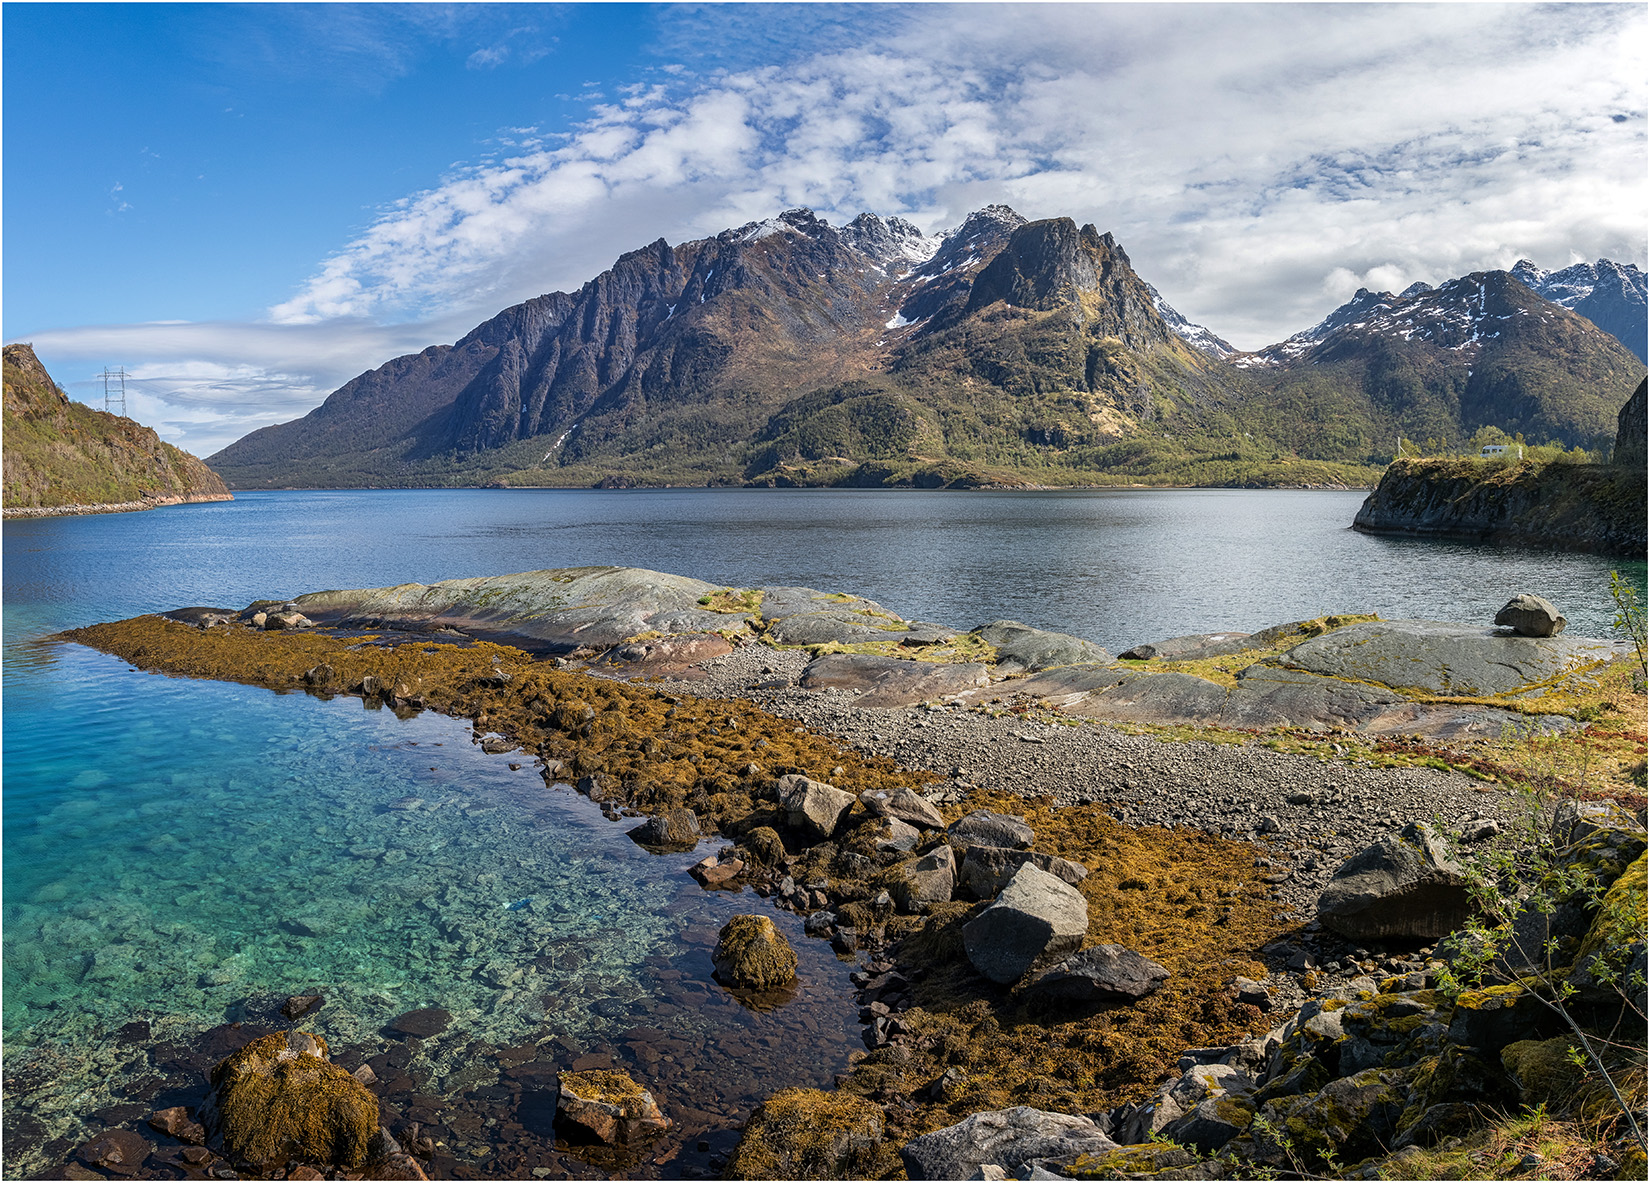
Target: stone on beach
1022, 649
1182, 647
1007, 1139
672, 828
812, 806
891, 681
1404, 887
986, 870
985, 828
928, 881
120, 1152
1099, 974
1037, 917
612, 1107
1531, 616
906, 805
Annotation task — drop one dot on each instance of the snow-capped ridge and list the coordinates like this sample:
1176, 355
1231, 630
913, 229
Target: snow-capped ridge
1197, 336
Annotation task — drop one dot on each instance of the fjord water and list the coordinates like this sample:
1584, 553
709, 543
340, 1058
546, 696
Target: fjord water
173, 848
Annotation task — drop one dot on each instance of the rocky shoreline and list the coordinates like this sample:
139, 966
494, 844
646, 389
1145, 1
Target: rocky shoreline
58, 511
1208, 855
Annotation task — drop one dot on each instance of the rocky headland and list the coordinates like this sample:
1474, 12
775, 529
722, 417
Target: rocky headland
65, 458
1185, 912
1589, 507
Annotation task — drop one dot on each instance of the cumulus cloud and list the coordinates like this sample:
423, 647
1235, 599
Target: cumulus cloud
1259, 163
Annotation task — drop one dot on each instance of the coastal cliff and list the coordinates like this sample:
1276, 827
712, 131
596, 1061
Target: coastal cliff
62, 457
1590, 507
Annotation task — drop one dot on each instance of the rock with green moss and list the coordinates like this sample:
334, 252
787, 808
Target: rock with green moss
1491, 1018
1611, 961
1212, 1123
1148, 1160
1347, 1120
809, 1134
751, 953
612, 1107
1545, 1070
279, 1098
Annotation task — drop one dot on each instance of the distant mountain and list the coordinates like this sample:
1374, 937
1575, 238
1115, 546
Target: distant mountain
1611, 295
1441, 362
789, 351
62, 456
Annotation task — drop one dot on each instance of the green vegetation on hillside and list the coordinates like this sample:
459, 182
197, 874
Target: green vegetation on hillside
61, 453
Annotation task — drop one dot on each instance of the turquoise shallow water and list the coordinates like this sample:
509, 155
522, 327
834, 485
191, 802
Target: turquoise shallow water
176, 851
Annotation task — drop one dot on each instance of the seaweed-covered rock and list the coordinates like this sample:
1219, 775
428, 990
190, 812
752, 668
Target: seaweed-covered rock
280, 1097
1037, 917
809, 1134
1004, 1138
812, 806
985, 828
1099, 974
752, 953
674, 828
764, 846
1211, 1123
1404, 887
611, 1106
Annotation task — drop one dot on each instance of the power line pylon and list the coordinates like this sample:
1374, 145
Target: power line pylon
114, 388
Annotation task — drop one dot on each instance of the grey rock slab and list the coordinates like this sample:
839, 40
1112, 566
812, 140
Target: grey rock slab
1211, 1123
803, 616
910, 807
1036, 917
1023, 649
1182, 647
986, 870
890, 681
674, 827
1448, 659
1273, 696
1004, 1138
1060, 687
985, 828
812, 806
1404, 887
1099, 974
1531, 616
901, 837
1156, 698
558, 611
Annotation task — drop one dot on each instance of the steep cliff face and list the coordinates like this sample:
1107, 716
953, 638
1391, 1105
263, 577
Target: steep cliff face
1629, 451
1588, 507
62, 456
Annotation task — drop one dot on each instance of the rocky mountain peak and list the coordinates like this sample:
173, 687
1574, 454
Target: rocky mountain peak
889, 240
1199, 337
1611, 295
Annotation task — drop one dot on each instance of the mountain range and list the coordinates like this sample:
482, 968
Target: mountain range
789, 351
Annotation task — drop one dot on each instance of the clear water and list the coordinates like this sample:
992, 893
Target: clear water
174, 847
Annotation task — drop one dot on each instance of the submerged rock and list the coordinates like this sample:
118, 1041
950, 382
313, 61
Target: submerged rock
280, 1097
752, 953
120, 1152
612, 1107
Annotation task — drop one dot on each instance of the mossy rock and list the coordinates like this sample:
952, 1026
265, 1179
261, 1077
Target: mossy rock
1543, 1069
753, 954
764, 846
809, 1134
280, 1098
1621, 917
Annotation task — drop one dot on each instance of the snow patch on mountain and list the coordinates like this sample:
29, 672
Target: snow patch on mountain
1195, 335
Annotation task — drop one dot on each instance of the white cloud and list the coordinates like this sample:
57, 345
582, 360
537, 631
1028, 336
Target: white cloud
1258, 162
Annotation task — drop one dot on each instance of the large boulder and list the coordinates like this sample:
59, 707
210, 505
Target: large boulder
1403, 887
985, 828
1022, 649
891, 681
609, 1105
809, 1134
1007, 1139
1099, 974
908, 806
1531, 616
929, 880
812, 806
1447, 659
280, 1097
752, 953
675, 829
986, 870
1037, 917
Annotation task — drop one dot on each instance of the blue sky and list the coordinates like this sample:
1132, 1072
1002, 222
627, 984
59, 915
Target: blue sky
248, 205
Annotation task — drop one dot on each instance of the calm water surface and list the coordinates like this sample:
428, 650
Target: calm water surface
173, 849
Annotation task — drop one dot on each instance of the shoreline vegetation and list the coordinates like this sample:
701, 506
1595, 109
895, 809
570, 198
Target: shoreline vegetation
1217, 890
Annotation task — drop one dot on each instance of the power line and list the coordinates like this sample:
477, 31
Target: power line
114, 388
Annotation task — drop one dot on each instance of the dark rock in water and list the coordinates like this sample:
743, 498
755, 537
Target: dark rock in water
136, 1031
299, 1005
1037, 916
421, 1024
1007, 1139
890, 681
1099, 974
1023, 649
177, 1122
714, 872
1404, 887
985, 828
674, 827
1531, 616
119, 1151
1183, 647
